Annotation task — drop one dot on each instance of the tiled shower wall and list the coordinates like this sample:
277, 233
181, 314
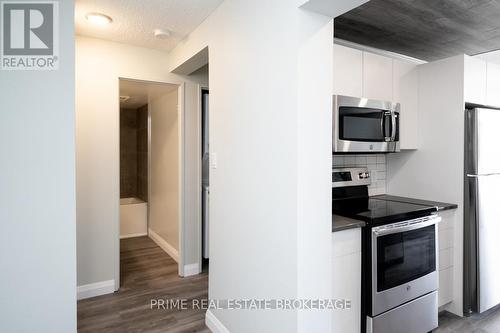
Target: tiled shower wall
134, 153
128, 153
376, 164
142, 153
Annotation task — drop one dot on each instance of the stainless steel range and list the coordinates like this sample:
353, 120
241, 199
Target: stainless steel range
399, 256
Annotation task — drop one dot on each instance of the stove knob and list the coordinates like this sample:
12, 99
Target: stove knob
364, 175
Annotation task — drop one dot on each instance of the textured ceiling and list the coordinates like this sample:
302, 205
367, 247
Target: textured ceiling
135, 20
424, 29
141, 92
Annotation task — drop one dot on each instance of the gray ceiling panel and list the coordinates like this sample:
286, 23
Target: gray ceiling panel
424, 29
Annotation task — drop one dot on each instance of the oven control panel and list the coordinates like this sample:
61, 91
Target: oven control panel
344, 177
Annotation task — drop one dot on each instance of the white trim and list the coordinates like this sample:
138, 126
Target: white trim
181, 182
192, 269
95, 289
199, 177
140, 234
171, 251
384, 53
214, 324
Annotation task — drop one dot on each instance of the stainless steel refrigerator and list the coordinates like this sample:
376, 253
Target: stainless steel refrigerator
482, 210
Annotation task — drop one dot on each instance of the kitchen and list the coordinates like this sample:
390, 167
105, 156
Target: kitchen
413, 178
412, 248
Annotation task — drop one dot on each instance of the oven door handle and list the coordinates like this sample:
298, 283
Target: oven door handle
405, 226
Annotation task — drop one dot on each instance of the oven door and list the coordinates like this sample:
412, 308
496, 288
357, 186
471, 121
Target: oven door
362, 125
404, 261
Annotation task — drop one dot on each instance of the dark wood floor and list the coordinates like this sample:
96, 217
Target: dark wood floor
147, 272
488, 322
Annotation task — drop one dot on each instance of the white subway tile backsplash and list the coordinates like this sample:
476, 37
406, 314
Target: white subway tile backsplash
376, 165
371, 159
350, 160
338, 160
360, 160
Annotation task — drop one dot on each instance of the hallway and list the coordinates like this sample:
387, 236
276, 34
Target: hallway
147, 273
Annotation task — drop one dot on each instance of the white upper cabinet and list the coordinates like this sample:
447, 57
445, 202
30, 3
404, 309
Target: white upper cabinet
347, 71
493, 85
405, 91
475, 80
362, 74
377, 77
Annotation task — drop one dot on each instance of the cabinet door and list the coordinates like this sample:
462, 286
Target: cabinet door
347, 285
493, 84
405, 87
347, 279
475, 80
347, 71
377, 77
446, 257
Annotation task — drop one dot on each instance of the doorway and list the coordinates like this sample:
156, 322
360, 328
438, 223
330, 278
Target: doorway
150, 172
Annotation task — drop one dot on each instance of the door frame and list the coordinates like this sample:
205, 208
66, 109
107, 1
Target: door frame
181, 177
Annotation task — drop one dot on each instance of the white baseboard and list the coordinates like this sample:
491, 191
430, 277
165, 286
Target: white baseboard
192, 269
171, 251
95, 289
134, 235
214, 324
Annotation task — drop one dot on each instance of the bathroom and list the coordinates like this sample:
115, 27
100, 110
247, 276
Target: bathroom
150, 178
133, 169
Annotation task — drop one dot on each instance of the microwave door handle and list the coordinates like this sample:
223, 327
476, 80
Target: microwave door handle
393, 125
382, 125
385, 117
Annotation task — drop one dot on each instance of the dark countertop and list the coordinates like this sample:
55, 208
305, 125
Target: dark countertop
351, 217
340, 223
440, 206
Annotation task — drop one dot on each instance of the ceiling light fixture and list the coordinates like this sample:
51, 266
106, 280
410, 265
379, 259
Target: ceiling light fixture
98, 19
161, 33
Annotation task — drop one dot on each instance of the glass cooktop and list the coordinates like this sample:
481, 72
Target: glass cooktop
379, 211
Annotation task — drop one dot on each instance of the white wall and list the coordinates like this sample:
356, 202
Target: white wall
37, 194
314, 159
99, 65
435, 170
191, 235
164, 209
270, 116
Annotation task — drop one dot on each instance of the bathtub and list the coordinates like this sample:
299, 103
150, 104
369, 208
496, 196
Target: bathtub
133, 217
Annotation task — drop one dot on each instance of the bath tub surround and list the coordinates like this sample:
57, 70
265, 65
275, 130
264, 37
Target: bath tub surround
133, 217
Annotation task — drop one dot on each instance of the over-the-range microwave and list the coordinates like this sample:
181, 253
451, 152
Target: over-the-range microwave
362, 125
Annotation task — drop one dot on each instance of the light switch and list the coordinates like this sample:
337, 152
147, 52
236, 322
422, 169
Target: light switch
213, 160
